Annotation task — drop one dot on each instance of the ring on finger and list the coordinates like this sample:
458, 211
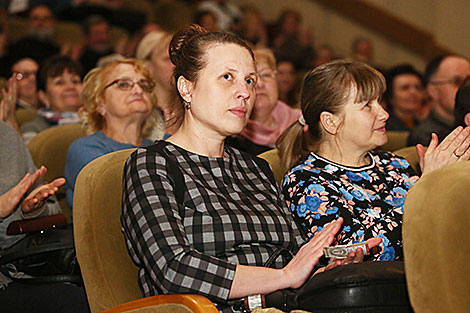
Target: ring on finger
457, 155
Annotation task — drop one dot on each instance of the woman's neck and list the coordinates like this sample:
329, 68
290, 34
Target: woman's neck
344, 156
198, 140
130, 133
263, 117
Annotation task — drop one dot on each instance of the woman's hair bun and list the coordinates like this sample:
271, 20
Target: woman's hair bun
182, 37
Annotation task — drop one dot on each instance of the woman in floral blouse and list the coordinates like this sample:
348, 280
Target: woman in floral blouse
334, 170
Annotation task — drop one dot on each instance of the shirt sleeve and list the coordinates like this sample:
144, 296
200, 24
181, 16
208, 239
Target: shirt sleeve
156, 238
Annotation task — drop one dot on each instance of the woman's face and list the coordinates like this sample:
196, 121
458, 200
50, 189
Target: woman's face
363, 126
63, 92
122, 104
222, 97
266, 88
285, 76
162, 68
408, 93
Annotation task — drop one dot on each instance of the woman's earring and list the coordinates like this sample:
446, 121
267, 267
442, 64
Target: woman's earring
188, 106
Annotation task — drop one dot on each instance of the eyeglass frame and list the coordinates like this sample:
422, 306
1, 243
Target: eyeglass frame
132, 85
272, 76
456, 81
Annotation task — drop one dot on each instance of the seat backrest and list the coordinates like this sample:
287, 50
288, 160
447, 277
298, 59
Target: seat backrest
436, 240
23, 116
49, 148
109, 274
396, 140
410, 154
272, 157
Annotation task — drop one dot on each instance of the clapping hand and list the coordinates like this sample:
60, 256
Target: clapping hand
454, 148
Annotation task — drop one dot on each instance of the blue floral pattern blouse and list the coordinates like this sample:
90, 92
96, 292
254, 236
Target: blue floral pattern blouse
370, 199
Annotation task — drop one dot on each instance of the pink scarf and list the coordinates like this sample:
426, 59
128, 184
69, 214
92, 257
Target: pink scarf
283, 115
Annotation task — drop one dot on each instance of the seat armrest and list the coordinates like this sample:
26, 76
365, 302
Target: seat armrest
36, 224
196, 303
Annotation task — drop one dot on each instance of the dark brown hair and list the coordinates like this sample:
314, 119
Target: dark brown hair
188, 49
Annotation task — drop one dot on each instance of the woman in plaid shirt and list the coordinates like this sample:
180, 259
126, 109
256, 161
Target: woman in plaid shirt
201, 217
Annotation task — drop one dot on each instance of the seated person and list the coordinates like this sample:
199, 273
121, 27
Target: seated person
270, 116
59, 85
462, 104
202, 217
24, 71
118, 100
334, 170
23, 197
404, 97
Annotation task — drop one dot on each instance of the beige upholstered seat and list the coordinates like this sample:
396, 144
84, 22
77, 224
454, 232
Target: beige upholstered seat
272, 157
23, 116
109, 274
436, 239
49, 148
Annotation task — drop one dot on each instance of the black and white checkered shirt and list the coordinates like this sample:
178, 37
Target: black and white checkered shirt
230, 212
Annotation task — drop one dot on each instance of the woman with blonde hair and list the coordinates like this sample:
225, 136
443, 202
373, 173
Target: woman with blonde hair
335, 171
153, 51
118, 100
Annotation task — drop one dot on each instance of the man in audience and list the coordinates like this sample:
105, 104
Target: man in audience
442, 78
97, 42
462, 104
38, 43
24, 71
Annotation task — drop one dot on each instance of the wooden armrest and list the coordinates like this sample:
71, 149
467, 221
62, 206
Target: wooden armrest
36, 224
196, 303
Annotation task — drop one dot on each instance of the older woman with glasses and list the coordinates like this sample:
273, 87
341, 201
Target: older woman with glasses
118, 100
270, 116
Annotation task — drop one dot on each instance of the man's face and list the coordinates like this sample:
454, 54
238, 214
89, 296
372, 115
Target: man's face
41, 20
446, 81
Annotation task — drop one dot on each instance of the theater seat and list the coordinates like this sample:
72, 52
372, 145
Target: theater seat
396, 140
49, 148
272, 157
108, 272
436, 240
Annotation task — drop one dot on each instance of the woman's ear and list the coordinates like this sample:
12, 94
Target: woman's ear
44, 99
185, 88
467, 119
330, 122
100, 109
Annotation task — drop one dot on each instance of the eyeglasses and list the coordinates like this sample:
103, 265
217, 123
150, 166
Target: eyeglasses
127, 84
267, 75
456, 81
22, 75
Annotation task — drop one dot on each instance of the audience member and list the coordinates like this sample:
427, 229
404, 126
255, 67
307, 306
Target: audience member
22, 196
117, 102
227, 12
337, 173
97, 42
404, 97
362, 49
218, 209
24, 70
323, 54
462, 104
270, 116
207, 20
253, 27
153, 50
442, 78
287, 83
59, 86
290, 42
8, 103
38, 43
